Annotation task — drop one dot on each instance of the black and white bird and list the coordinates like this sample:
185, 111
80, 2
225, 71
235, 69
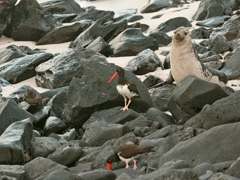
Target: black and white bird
126, 89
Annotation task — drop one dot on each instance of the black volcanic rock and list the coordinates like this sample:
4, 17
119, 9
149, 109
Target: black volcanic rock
212, 8
156, 5
145, 62
107, 31
59, 71
15, 143
29, 22
22, 68
90, 92
63, 33
130, 42
61, 7
191, 95
173, 24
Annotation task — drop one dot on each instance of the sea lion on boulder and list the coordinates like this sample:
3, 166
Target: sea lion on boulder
184, 60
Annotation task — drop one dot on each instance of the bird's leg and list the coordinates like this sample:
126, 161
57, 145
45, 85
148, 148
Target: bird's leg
125, 103
134, 164
126, 162
129, 102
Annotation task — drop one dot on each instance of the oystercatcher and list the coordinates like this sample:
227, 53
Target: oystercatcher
128, 151
125, 89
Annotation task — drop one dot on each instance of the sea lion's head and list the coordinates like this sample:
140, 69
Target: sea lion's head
180, 34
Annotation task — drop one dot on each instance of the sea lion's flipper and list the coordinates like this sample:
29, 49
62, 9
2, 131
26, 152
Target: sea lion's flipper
221, 75
169, 80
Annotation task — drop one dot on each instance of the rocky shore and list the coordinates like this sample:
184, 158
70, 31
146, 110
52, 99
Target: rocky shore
60, 119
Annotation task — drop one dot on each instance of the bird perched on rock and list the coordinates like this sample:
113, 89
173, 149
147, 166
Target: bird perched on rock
126, 89
128, 151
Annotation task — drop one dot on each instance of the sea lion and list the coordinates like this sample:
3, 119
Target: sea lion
184, 60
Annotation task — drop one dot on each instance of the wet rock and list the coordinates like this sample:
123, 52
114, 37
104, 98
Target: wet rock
143, 27
61, 175
67, 154
15, 143
14, 171
54, 125
219, 44
100, 45
98, 133
145, 62
124, 13
43, 146
158, 116
112, 116
213, 21
61, 7
9, 53
173, 24
200, 33
59, 71
151, 80
233, 170
22, 68
156, 5
161, 96
10, 113
173, 174
220, 112
97, 175
29, 23
107, 31
91, 92
63, 33
212, 8
161, 38
231, 66
5, 14
220, 176
191, 96
131, 42
40, 168
218, 139
93, 14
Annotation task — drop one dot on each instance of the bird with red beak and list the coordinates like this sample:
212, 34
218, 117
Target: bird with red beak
126, 89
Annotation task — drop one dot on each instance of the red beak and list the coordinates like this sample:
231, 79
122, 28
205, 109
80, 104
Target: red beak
115, 75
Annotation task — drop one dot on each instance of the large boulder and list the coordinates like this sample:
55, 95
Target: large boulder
131, 42
211, 8
15, 143
5, 14
100, 45
232, 65
63, 33
173, 174
61, 7
61, 174
15, 171
93, 14
29, 22
156, 5
222, 111
22, 68
107, 31
12, 52
97, 133
145, 62
10, 112
219, 43
99, 174
59, 71
90, 92
218, 140
191, 95
173, 24
39, 168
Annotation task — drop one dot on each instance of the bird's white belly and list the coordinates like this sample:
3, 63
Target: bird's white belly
124, 91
